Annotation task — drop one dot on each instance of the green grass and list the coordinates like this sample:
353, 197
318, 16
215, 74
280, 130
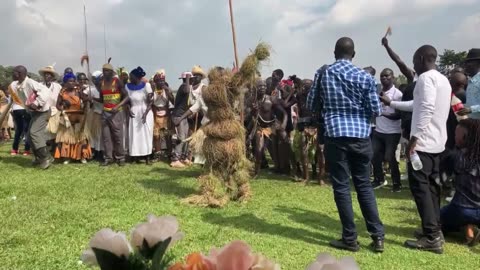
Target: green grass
57, 211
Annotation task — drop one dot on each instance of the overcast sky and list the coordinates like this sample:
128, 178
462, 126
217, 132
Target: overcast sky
177, 34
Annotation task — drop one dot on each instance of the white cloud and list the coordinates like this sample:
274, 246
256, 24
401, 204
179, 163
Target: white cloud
468, 29
175, 35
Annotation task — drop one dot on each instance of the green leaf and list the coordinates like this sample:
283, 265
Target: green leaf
137, 262
109, 261
160, 250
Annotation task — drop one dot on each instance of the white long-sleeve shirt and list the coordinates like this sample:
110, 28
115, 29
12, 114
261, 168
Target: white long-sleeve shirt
382, 123
200, 105
430, 107
33, 92
55, 89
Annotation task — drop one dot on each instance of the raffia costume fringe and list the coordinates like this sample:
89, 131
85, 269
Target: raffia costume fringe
72, 140
227, 170
93, 125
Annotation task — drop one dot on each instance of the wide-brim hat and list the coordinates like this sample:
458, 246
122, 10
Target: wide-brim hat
184, 74
108, 66
473, 54
199, 70
48, 69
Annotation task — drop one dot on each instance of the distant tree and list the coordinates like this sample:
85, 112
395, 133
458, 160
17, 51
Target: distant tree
450, 60
399, 80
6, 76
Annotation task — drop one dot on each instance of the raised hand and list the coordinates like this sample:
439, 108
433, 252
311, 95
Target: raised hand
384, 42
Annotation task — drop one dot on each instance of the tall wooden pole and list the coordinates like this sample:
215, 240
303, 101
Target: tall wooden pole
237, 64
233, 34
105, 41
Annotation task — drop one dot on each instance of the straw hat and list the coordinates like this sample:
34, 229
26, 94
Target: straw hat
199, 70
48, 69
108, 66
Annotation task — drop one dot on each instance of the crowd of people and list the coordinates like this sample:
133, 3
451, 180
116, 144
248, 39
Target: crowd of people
337, 126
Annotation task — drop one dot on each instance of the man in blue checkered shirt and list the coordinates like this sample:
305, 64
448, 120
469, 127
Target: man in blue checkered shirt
346, 97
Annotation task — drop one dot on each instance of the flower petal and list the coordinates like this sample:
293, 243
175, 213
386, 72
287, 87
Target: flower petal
348, 263
88, 258
101, 239
138, 234
325, 258
235, 256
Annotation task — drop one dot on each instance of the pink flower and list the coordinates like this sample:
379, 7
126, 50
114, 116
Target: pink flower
325, 261
108, 240
239, 256
155, 230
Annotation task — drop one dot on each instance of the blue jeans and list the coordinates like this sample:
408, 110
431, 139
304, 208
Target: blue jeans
347, 157
22, 121
454, 217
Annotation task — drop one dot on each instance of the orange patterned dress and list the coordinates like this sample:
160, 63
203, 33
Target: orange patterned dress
72, 141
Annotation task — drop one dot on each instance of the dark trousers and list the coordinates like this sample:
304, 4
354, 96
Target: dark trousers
384, 148
351, 157
426, 192
454, 217
112, 135
22, 120
180, 151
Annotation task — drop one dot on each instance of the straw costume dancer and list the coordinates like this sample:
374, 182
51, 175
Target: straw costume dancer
222, 141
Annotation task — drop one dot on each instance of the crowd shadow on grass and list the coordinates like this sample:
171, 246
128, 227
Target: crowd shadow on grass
24, 162
322, 222
167, 187
169, 173
386, 193
168, 181
251, 223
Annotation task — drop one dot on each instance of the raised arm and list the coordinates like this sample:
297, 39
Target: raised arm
407, 72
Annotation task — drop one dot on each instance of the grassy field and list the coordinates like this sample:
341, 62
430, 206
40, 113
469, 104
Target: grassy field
57, 211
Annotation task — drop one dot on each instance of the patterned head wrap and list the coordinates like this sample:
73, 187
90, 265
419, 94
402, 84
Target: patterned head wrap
138, 72
68, 76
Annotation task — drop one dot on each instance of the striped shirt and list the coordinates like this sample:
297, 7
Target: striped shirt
347, 97
112, 95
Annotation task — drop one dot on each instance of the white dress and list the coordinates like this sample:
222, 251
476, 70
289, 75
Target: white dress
140, 135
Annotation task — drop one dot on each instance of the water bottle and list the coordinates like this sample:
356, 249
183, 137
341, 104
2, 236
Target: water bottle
416, 161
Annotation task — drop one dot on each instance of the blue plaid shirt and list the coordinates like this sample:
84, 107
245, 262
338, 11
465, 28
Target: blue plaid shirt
347, 97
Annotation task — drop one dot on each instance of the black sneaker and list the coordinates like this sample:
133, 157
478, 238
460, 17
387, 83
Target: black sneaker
105, 163
341, 244
377, 185
425, 244
378, 245
418, 234
121, 163
397, 188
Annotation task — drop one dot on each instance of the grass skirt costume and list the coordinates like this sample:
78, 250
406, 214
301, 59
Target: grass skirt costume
309, 138
93, 126
227, 170
70, 127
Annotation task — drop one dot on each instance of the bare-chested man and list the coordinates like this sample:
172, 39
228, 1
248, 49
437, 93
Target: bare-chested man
310, 151
269, 122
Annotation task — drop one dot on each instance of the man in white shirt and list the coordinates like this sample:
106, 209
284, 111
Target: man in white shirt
36, 97
386, 135
50, 76
430, 106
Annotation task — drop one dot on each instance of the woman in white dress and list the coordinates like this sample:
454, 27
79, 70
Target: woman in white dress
140, 128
